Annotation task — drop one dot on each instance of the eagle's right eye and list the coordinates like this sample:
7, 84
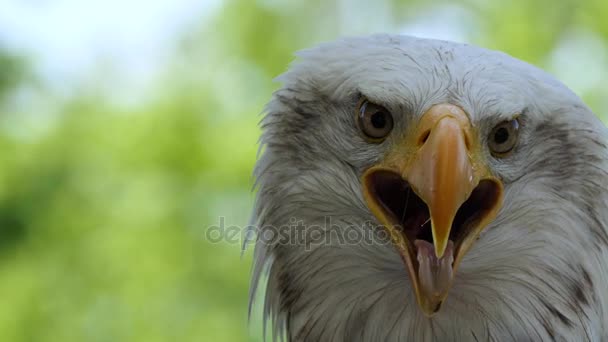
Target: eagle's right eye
375, 121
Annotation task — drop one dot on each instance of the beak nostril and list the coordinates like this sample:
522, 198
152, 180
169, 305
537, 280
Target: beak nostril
424, 137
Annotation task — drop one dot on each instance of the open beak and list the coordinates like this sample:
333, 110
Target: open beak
434, 194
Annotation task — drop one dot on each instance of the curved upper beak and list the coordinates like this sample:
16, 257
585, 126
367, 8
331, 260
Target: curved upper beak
435, 180
441, 173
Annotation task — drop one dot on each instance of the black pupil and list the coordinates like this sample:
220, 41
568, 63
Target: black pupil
501, 136
378, 120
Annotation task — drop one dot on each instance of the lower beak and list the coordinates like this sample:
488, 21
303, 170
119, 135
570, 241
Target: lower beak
434, 195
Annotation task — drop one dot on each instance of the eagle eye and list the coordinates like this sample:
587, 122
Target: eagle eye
503, 137
375, 121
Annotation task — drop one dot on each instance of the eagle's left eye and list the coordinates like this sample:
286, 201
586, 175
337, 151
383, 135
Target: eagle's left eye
375, 121
503, 137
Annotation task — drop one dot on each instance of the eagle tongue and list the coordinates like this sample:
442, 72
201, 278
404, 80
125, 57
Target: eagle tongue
434, 274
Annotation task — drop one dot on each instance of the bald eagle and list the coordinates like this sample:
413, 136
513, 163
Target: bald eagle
423, 190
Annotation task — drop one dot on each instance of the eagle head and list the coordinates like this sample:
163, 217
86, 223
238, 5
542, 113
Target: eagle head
415, 189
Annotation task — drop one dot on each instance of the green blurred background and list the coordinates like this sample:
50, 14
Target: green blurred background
128, 128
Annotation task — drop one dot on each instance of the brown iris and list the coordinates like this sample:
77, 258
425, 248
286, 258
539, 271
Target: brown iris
375, 121
503, 137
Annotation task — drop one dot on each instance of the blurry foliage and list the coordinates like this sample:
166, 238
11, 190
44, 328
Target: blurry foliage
103, 215
103, 230
12, 71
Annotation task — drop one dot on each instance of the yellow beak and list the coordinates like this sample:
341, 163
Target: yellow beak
440, 176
